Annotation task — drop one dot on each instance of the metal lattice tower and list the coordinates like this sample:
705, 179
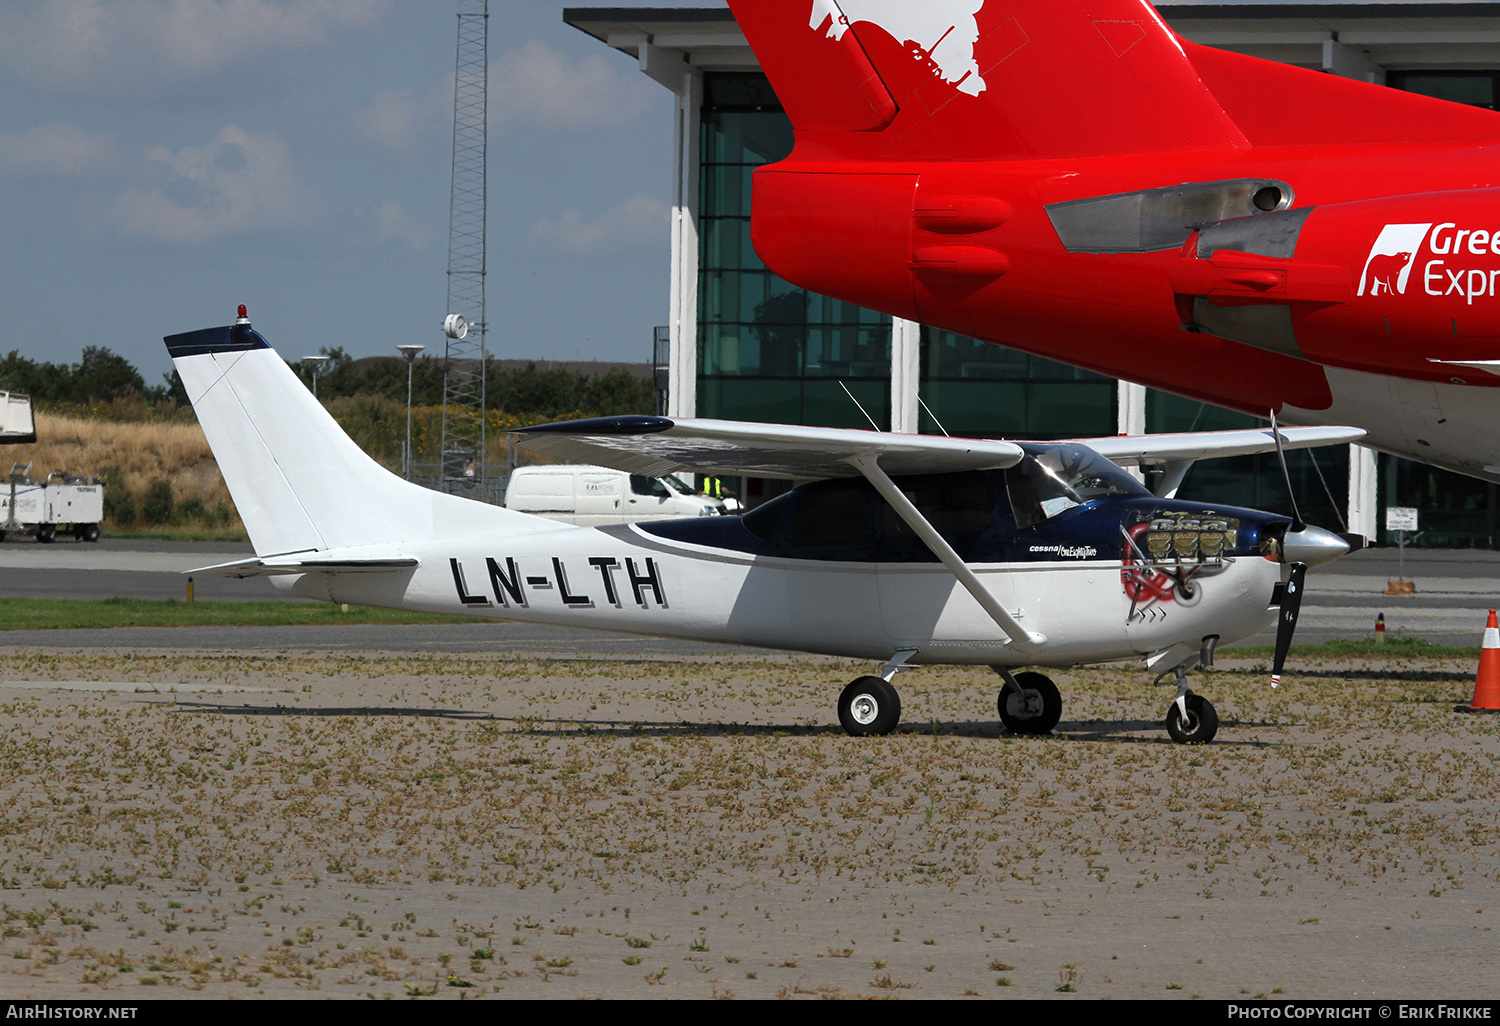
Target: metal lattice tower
463, 440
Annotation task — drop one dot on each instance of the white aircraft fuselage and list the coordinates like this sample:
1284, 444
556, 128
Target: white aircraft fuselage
626, 579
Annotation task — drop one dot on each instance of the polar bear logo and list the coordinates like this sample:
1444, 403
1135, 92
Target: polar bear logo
1384, 272
939, 33
1389, 264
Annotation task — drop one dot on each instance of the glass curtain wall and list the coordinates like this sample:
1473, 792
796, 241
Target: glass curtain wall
978, 389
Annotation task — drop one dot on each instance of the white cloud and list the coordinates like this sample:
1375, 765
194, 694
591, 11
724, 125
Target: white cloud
93, 46
640, 220
540, 85
391, 222
398, 121
391, 120
56, 151
237, 183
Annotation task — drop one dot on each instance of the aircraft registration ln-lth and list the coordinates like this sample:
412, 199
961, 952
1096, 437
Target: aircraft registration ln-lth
1072, 179
901, 549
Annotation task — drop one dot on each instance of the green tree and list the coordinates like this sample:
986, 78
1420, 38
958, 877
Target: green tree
158, 506
102, 375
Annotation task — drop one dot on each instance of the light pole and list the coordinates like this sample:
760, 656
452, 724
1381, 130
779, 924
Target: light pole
410, 352
315, 362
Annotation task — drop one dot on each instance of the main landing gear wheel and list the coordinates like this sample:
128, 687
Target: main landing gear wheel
1198, 727
868, 706
1035, 709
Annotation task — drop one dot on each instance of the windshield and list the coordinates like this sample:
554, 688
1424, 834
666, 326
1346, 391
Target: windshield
1055, 478
677, 485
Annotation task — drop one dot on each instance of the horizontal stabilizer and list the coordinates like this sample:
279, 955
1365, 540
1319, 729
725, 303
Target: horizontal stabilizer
281, 566
655, 446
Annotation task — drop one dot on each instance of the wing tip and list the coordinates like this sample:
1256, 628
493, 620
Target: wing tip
630, 424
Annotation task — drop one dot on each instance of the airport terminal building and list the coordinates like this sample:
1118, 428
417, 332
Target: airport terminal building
743, 344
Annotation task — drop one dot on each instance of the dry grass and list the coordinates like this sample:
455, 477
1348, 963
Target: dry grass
134, 454
457, 826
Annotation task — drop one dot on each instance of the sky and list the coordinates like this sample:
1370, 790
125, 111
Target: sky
162, 161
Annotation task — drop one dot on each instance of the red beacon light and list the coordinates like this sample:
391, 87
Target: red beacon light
244, 315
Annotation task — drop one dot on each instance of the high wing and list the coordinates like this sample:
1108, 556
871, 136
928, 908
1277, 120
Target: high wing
1128, 450
655, 446
658, 445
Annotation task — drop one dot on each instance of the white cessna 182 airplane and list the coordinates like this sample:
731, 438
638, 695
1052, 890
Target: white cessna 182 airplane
902, 549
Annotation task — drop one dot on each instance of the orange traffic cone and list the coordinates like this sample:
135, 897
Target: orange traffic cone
1487, 683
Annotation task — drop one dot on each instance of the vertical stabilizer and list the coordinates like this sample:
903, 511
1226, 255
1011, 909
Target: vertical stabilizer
299, 482
985, 79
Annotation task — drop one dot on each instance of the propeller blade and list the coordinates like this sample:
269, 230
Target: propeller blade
1286, 624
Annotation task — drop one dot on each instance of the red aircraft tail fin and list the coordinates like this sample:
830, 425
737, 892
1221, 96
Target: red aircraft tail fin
983, 79
1276, 104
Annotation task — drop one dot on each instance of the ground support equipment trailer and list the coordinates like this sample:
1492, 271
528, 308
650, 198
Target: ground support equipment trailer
40, 508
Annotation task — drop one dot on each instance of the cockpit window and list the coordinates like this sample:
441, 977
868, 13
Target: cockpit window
846, 518
1055, 478
823, 520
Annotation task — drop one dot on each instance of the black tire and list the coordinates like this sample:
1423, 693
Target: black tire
90, 532
46, 533
1035, 710
869, 706
1200, 725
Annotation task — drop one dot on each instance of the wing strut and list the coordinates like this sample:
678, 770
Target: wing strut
869, 465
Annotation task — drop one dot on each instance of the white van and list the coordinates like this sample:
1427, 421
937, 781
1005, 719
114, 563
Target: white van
595, 496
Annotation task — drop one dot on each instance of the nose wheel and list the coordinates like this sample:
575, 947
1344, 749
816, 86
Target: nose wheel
1192, 720
868, 706
1029, 703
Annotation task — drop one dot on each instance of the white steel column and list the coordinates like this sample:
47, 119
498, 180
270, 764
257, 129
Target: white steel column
1132, 415
1346, 62
1131, 419
682, 375
668, 67
906, 370
1363, 497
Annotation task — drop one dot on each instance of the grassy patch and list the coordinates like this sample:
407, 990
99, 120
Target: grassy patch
59, 614
1365, 648
198, 532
